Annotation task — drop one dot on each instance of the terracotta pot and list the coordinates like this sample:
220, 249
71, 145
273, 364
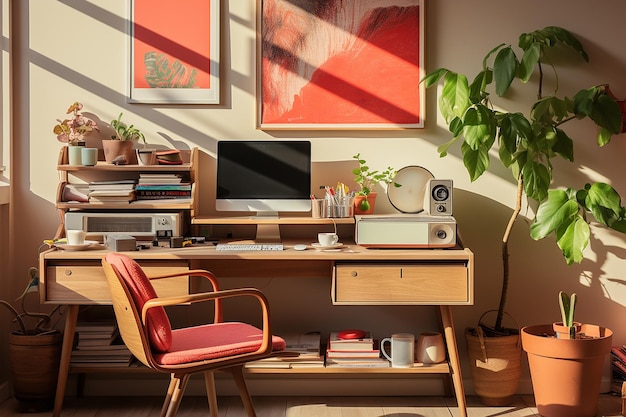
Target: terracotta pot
34, 369
358, 199
496, 366
566, 374
116, 148
563, 332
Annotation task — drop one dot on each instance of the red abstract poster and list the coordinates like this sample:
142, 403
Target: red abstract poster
341, 64
175, 51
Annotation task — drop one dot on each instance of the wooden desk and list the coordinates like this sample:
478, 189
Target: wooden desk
409, 277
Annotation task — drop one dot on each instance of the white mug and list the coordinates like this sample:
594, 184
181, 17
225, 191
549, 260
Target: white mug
75, 237
430, 348
402, 349
327, 239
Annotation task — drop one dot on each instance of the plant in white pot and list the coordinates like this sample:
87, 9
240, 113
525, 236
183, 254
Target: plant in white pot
73, 131
566, 370
34, 352
119, 149
526, 144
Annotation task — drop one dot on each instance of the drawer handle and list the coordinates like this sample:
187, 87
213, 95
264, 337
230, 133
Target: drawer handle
68, 272
354, 274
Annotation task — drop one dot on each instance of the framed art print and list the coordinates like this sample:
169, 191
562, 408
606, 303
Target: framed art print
174, 51
340, 64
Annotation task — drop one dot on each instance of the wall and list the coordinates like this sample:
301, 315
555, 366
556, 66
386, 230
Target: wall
74, 50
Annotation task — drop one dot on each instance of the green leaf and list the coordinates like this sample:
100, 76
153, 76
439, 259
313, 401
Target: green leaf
433, 77
573, 240
478, 126
604, 203
443, 149
564, 145
454, 99
476, 161
530, 58
504, 69
536, 180
607, 114
604, 137
479, 85
557, 209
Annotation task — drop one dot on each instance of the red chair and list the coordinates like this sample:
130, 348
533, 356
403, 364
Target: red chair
146, 331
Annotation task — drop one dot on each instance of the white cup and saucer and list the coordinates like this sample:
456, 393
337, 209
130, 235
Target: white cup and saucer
327, 241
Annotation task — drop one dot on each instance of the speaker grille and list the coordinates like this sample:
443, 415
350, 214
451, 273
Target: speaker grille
119, 224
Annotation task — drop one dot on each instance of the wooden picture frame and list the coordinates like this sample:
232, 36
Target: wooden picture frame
174, 52
340, 65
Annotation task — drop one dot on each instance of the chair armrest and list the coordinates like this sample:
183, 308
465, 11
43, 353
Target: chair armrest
206, 296
203, 274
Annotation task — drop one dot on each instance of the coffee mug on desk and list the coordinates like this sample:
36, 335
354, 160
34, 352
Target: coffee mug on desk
430, 348
402, 349
75, 237
327, 239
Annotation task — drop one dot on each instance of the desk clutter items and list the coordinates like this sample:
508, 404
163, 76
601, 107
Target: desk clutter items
98, 345
354, 348
303, 350
337, 203
162, 187
120, 243
168, 157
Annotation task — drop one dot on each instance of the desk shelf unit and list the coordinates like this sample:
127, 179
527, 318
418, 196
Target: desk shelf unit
411, 277
69, 174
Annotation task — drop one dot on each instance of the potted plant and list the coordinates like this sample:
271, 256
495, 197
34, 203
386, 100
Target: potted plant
73, 131
119, 149
566, 371
34, 353
366, 178
526, 145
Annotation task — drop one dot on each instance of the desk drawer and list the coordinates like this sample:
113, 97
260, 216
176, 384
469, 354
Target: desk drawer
418, 283
83, 282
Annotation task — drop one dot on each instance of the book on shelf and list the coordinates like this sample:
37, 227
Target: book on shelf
156, 194
112, 185
183, 186
618, 368
336, 343
353, 353
146, 178
357, 363
303, 350
75, 192
111, 193
162, 201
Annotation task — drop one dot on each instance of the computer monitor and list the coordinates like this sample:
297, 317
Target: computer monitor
263, 176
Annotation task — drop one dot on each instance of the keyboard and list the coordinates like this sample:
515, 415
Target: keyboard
242, 247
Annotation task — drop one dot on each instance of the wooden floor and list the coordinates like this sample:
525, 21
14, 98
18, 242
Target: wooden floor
193, 406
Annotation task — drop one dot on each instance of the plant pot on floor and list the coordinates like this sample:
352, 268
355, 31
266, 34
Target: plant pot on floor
365, 208
566, 373
495, 363
34, 369
118, 150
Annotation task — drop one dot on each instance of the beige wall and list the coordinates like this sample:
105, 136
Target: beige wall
69, 51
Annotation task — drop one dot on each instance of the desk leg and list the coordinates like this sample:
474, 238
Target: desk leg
66, 354
453, 353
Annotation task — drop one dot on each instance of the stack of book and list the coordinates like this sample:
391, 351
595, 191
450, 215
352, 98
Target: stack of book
113, 191
99, 345
618, 368
303, 350
363, 352
162, 187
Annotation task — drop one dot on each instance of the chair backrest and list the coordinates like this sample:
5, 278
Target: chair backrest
130, 290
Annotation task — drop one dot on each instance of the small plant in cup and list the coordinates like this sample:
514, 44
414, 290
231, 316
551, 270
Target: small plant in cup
73, 130
367, 178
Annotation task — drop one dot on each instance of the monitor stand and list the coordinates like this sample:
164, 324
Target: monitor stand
267, 232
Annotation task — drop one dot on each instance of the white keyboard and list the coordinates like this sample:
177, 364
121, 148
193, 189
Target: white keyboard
242, 247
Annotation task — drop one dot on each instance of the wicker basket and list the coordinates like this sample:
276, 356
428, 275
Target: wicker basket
495, 364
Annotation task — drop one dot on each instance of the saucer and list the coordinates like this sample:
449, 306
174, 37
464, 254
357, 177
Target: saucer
68, 247
317, 246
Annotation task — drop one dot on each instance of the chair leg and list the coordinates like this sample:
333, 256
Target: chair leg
209, 382
174, 395
237, 372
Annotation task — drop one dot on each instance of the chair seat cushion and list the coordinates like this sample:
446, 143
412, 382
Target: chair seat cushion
211, 341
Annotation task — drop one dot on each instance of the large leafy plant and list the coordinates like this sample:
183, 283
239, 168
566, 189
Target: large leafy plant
526, 144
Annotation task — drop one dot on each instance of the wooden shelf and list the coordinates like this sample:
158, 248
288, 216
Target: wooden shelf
276, 220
